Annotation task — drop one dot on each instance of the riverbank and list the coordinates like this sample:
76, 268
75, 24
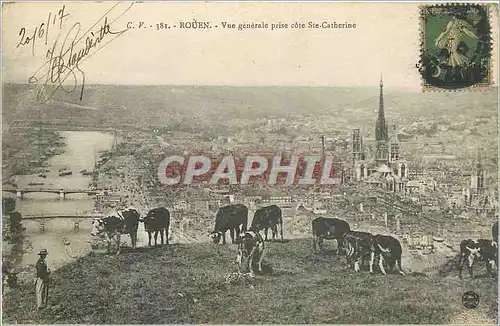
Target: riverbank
26, 153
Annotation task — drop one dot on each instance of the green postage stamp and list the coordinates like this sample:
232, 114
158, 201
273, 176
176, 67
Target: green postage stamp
456, 46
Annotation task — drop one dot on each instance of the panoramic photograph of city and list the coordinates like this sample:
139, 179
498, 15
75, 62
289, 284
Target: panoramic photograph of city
249, 163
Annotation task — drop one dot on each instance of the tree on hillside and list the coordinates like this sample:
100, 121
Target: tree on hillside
8, 205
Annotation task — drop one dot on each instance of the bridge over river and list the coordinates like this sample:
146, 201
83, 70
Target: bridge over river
42, 219
62, 192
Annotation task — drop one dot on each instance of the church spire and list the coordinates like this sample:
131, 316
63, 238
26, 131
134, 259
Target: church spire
381, 133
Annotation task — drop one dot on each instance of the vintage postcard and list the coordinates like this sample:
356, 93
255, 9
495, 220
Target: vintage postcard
249, 163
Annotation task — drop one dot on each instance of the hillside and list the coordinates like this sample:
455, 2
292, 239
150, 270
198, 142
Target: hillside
185, 284
436, 122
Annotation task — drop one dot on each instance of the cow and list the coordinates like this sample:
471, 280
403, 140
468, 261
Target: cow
122, 222
250, 246
356, 245
494, 232
268, 217
328, 228
388, 249
481, 249
230, 218
158, 221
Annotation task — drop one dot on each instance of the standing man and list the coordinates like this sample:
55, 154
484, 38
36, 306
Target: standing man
42, 280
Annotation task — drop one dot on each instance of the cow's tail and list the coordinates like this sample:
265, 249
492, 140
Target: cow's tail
281, 229
244, 226
314, 237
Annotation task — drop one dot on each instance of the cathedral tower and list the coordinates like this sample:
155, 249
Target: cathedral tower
381, 133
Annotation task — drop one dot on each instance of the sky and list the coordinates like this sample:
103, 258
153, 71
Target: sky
386, 40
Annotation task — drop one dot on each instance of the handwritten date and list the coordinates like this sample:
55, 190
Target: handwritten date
43, 30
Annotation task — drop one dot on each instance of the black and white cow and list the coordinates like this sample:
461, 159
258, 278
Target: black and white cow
233, 218
389, 250
329, 229
356, 246
250, 246
266, 218
158, 221
114, 225
473, 250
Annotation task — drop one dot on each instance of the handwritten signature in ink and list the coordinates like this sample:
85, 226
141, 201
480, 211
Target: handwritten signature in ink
62, 68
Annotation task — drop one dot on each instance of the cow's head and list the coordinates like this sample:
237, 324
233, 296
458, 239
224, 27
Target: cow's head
215, 236
98, 226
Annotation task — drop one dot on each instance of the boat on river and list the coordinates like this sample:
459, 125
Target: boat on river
65, 171
86, 172
66, 241
35, 184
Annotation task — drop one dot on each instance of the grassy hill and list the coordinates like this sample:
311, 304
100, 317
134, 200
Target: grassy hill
185, 284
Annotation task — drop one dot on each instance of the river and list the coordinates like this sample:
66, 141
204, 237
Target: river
82, 148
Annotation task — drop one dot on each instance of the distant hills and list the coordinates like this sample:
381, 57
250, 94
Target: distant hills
223, 102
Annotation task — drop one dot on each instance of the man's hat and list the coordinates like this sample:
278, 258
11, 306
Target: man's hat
43, 252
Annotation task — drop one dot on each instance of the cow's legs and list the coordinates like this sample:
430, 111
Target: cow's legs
156, 238
261, 256
224, 237
266, 230
108, 239
162, 233
339, 246
398, 262
166, 235
488, 266
231, 233
133, 238
320, 243
470, 262
238, 230
356, 264
238, 259
250, 261
149, 237
275, 232
118, 241
381, 263
348, 259
372, 259
460, 266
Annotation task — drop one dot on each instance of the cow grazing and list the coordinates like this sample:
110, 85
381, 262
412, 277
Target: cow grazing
231, 218
494, 232
329, 229
158, 221
390, 250
357, 245
481, 249
250, 246
268, 218
114, 225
